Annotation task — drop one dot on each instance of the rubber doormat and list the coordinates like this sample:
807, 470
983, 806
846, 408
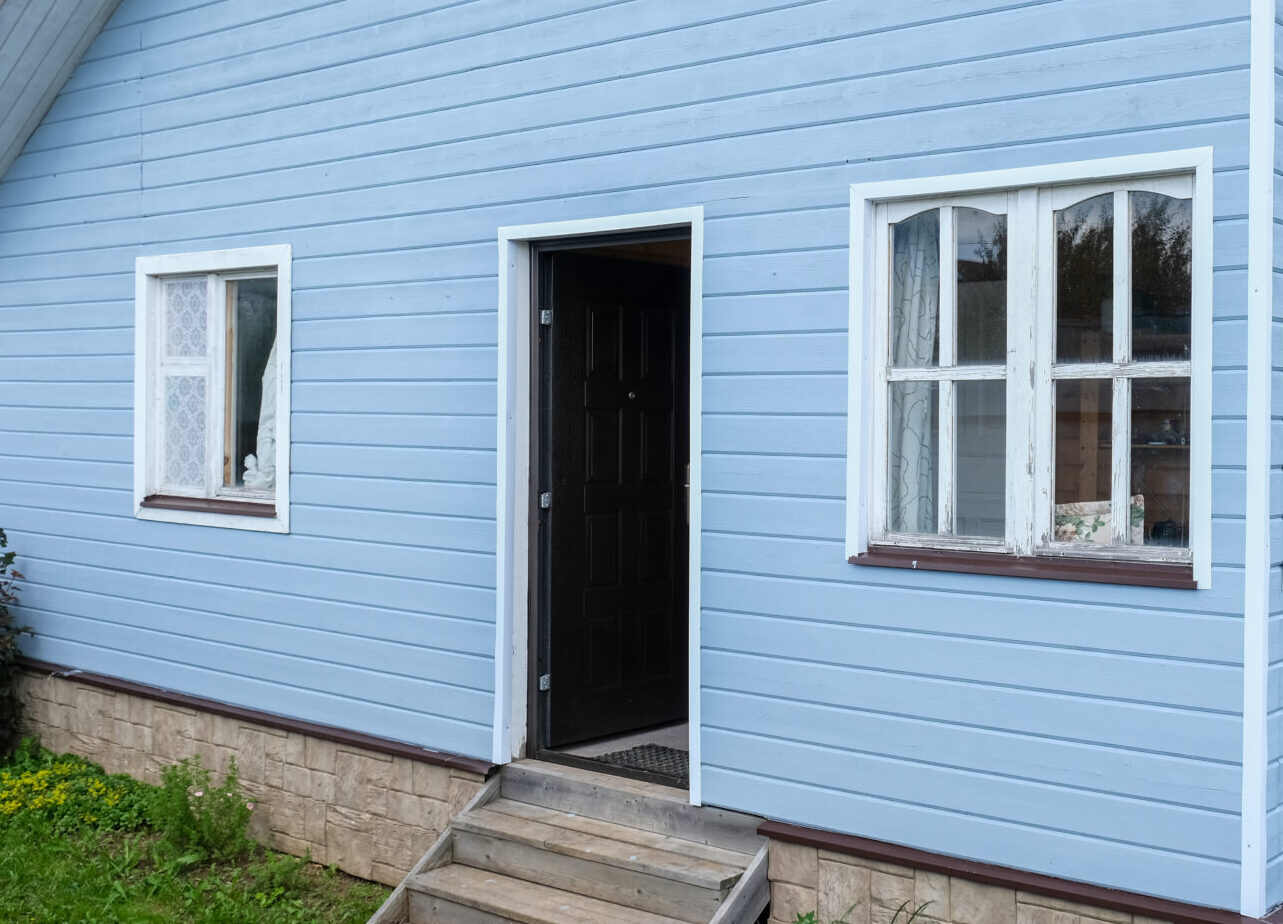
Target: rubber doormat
652, 758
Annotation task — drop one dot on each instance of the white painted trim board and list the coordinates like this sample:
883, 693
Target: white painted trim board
514, 465
1256, 572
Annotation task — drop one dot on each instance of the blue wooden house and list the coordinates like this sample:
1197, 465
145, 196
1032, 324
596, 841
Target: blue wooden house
861, 411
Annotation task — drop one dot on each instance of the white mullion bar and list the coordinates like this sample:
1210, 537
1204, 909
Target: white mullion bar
1120, 470
215, 319
947, 439
879, 458
948, 291
1040, 408
1120, 487
948, 352
1122, 279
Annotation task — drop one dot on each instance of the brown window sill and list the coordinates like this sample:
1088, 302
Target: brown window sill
210, 505
1048, 567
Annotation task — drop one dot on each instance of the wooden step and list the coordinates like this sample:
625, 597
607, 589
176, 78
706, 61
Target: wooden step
607, 863
638, 804
458, 894
611, 829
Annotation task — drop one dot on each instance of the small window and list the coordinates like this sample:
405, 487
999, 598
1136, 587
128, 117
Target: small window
1031, 382
212, 381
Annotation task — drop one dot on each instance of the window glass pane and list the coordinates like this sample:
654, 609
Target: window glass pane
980, 508
251, 396
1084, 456
186, 333
915, 291
185, 432
1160, 460
1085, 281
1160, 229
982, 286
914, 440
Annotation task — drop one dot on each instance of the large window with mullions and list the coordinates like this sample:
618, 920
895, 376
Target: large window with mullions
1031, 383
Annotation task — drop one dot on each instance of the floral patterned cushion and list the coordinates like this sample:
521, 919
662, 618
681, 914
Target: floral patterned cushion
1089, 521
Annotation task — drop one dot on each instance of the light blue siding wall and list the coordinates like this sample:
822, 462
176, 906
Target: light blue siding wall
1082, 730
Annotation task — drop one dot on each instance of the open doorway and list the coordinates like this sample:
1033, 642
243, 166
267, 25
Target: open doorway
610, 502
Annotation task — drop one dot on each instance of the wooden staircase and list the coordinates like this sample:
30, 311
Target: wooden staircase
548, 844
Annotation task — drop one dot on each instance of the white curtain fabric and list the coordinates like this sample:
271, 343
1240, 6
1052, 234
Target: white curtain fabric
260, 466
915, 313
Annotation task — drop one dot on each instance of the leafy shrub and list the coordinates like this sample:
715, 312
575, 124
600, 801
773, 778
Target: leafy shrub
195, 816
67, 793
10, 703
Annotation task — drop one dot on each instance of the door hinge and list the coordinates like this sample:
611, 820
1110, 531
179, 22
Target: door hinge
545, 500
545, 317
545, 683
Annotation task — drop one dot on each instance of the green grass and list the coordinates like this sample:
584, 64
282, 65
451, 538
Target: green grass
76, 847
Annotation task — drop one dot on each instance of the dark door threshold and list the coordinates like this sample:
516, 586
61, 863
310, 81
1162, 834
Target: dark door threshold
589, 763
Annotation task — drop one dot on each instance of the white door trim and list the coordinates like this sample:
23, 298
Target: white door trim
514, 465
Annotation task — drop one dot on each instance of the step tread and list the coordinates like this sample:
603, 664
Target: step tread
522, 901
610, 845
635, 803
623, 832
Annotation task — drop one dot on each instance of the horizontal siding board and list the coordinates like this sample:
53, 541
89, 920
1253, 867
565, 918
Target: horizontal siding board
467, 535
467, 398
440, 498
114, 342
745, 474
69, 446
459, 465
448, 363
471, 329
374, 428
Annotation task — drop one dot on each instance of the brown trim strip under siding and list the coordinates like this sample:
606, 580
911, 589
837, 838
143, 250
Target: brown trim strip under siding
1048, 567
324, 732
1084, 893
208, 504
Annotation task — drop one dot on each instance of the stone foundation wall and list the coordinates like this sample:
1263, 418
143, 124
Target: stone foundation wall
372, 814
805, 879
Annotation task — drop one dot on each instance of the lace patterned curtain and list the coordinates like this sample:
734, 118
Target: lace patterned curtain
915, 312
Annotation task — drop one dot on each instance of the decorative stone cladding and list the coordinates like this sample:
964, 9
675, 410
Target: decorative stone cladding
852, 889
372, 814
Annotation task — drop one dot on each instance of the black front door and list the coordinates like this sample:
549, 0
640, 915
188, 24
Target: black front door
613, 542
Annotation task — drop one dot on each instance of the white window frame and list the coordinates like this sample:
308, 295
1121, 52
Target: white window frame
220, 267
1030, 195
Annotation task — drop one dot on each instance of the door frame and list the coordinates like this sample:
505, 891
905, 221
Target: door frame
516, 465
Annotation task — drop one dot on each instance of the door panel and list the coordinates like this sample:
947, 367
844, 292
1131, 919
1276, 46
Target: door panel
615, 444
